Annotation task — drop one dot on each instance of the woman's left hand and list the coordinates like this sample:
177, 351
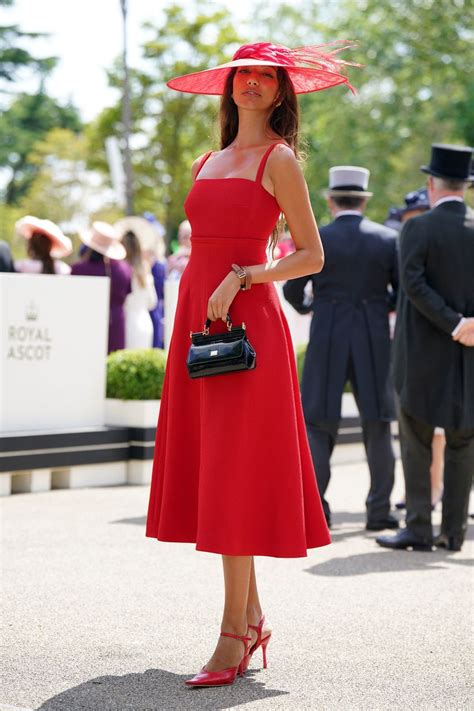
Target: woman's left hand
220, 301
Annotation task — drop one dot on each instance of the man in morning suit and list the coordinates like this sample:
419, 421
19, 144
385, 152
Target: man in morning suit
434, 352
349, 338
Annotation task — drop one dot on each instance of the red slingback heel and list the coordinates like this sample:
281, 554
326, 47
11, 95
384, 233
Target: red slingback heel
224, 677
260, 642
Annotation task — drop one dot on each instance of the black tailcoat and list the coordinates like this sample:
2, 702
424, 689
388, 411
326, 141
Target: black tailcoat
350, 319
6, 261
434, 375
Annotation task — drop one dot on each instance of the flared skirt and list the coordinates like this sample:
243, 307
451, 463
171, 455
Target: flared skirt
232, 469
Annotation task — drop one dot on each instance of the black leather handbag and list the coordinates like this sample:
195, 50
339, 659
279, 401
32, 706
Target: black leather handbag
220, 353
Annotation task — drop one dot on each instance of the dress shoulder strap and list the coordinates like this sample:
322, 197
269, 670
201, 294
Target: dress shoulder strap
263, 162
202, 163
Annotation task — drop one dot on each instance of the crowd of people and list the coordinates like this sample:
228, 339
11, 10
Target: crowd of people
131, 253
421, 265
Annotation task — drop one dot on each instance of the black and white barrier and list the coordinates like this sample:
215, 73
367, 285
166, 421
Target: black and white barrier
94, 456
119, 453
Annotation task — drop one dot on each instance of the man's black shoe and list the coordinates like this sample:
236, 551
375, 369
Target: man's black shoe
404, 539
382, 524
451, 543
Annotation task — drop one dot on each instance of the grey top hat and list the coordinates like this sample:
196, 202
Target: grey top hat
348, 181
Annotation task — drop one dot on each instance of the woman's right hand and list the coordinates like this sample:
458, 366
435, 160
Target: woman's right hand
219, 303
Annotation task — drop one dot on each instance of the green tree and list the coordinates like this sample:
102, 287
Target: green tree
416, 88
63, 189
57, 190
14, 57
27, 121
50, 192
170, 129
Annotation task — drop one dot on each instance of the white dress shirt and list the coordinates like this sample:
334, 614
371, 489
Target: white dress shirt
348, 212
448, 198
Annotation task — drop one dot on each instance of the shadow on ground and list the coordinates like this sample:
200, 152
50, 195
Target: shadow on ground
156, 690
138, 520
347, 524
385, 561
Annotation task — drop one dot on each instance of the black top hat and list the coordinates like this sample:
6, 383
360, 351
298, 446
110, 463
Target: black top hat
452, 162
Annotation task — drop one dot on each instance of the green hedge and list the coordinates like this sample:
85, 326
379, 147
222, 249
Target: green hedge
300, 355
136, 374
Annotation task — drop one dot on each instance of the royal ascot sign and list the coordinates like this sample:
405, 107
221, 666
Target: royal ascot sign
29, 341
53, 344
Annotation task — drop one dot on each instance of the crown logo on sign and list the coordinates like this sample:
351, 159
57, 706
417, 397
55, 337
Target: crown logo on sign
31, 312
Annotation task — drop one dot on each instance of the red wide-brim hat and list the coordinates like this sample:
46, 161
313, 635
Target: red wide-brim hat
309, 68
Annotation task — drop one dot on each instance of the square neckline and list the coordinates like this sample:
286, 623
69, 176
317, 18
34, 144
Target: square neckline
258, 177
247, 180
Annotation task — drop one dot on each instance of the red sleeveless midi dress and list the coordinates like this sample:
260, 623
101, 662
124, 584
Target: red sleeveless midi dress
232, 469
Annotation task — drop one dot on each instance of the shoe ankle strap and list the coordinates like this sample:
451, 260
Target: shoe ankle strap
243, 638
258, 628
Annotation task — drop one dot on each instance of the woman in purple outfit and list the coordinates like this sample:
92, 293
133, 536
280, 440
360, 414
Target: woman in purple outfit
158, 271
104, 257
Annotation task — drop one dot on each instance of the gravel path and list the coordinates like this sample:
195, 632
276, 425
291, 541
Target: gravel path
98, 618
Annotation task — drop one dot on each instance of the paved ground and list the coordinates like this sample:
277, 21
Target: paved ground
98, 618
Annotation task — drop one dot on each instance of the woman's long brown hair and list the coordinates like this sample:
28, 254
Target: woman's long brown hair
135, 256
39, 247
283, 120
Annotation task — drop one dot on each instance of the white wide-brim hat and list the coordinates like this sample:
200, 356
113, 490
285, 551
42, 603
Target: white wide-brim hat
103, 238
149, 236
348, 181
28, 225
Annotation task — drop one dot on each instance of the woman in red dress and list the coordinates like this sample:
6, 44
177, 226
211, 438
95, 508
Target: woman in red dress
232, 471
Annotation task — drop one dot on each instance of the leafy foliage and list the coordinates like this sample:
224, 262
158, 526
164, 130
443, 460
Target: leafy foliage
171, 129
136, 374
300, 356
27, 121
9, 214
14, 58
416, 88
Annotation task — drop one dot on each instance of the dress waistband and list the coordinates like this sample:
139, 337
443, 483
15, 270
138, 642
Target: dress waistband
222, 240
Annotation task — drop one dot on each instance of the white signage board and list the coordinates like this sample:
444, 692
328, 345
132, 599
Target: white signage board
53, 347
